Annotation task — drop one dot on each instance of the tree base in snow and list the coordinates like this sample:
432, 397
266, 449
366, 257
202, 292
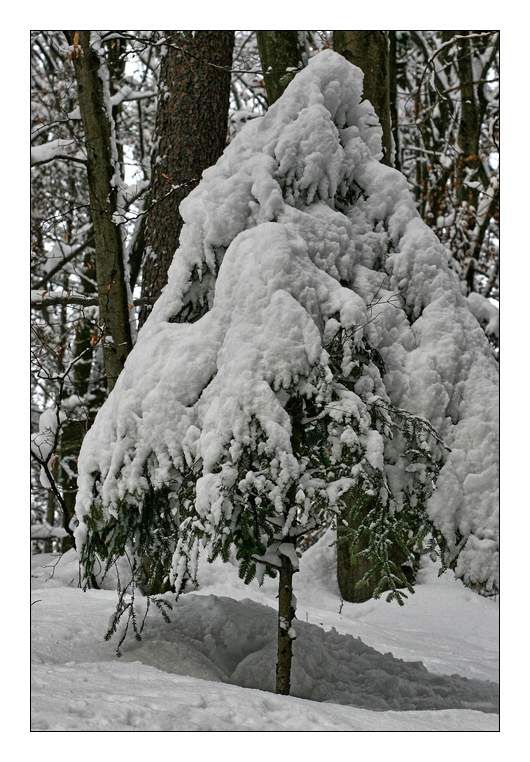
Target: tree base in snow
286, 633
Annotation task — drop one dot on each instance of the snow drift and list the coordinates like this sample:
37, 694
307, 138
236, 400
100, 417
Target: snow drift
218, 639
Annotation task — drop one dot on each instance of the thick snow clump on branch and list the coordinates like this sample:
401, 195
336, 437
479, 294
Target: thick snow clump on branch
297, 232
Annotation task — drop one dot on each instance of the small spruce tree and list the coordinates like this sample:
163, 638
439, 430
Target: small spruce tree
308, 346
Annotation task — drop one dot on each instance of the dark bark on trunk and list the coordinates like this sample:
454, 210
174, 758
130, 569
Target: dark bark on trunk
350, 566
282, 55
110, 269
286, 612
392, 57
369, 51
469, 130
72, 434
50, 510
191, 129
190, 134
116, 66
136, 254
73, 431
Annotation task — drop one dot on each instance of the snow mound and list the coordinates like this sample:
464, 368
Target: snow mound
217, 638
445, 625
181, 676
296, 229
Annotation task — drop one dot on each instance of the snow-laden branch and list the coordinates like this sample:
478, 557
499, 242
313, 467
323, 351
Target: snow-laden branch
56, 149
486, 313
46, 299
45, 531
125, 94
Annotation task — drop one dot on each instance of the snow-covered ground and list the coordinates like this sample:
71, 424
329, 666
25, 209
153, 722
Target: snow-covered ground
212, 668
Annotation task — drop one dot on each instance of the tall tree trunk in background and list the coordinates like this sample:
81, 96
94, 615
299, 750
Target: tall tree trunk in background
351, 566
103, 194
191, 129
51, 503
469, 129
190, 135
81, 416
282, 54
369, 51
116, 66
468, 157
393, 67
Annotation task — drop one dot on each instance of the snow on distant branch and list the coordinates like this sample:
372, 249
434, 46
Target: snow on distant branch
486, 313
56, 149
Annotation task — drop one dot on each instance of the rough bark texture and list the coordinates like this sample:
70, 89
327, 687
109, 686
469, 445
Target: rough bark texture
110, 271
469, 130
191, 129
350, 566
71, 437
74, 430
369, 51
392, 57
190, 135
282, 55
286, 614
51, 503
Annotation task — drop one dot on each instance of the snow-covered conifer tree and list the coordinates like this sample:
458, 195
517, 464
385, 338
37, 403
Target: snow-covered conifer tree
311, 350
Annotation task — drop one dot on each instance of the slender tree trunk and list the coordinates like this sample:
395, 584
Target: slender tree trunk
282, 55
191, 130
76, 425
393, 67
116, 66
468, 156
369, 51
286, 612
103, 194
50, 509
74, 430
469, 129
71, 437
